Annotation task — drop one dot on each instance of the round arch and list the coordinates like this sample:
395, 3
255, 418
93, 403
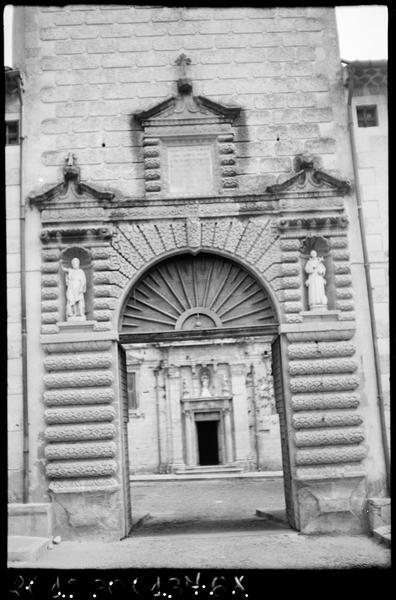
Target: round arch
236, 290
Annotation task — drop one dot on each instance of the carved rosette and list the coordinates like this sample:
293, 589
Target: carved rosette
79, 415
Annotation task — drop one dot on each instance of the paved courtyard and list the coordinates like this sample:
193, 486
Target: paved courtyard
204, 505
211, 524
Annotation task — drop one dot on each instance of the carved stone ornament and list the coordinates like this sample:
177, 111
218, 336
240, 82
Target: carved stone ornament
308, 175
71, 188
316, 282
76, 284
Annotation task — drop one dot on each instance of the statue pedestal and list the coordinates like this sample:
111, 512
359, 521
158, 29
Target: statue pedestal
76, 324
320, 314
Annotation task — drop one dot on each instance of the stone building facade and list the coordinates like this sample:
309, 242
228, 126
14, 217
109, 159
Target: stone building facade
193, 160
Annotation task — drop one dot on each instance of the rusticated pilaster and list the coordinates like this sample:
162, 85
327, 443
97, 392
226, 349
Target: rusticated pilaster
324, 401
69, 362
78, 396
64, 433
79, 415
80, 450
329, 437
320, 350
321, 419
324, 383
66, 469
80, 433
322, 456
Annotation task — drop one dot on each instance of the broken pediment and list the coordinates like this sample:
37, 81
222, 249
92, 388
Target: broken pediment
308, 177
70, 190
185, 108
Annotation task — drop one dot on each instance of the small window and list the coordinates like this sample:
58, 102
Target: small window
367, 116
12, 133
132, 392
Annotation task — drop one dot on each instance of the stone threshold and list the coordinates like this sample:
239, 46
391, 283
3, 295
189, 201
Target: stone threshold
196, 476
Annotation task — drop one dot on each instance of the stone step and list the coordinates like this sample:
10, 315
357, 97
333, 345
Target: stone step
383, 535
23, 548
199, 470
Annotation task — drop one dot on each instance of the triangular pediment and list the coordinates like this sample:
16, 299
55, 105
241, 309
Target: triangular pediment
70, 190
308, 178
187, 108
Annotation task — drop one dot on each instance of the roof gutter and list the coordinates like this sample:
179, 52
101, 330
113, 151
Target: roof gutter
380, 397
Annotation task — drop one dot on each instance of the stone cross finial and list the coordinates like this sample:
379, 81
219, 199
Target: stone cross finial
70, 159
182, 61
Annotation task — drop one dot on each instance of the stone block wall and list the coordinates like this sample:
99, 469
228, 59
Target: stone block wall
89, 68
14, 328
372, 156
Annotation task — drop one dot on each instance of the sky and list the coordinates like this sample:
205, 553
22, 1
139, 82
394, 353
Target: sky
362, 32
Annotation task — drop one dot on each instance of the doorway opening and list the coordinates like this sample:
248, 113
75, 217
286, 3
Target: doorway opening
197, 332
208, 441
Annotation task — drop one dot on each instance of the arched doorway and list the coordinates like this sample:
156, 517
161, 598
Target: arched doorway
200, 393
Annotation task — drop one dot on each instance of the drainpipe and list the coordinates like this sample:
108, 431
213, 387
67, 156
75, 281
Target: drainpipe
380, 397
157, 404
25, 406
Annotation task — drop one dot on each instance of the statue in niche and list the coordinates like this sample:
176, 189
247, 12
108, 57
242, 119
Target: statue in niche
316, 281
205, 381
76, 285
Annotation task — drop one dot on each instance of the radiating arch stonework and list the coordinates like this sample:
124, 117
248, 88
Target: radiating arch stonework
196, 292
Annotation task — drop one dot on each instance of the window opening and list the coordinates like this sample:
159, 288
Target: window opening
12, 133
367, 116
132, 394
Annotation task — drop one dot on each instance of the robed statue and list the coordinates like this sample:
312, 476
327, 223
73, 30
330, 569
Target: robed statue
76, 286
316, 281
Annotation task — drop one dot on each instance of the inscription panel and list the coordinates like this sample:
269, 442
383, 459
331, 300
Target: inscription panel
190, 170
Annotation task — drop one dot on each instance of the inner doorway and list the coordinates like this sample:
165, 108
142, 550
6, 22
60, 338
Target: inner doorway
208, 442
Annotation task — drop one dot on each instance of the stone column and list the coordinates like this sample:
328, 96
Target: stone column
177, 460
229, 457
188, 420
242, 444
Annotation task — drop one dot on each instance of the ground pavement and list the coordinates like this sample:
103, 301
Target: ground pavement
212, 524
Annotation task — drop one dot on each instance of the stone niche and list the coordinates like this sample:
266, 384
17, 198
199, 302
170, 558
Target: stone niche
188, 146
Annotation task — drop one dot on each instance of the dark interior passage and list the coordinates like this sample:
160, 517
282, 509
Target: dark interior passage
208, 443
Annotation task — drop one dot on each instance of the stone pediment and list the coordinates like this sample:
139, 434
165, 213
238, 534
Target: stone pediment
308, 178
70, 191
187, 109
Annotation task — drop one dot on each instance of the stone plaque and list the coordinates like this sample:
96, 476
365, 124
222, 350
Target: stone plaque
190, 170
